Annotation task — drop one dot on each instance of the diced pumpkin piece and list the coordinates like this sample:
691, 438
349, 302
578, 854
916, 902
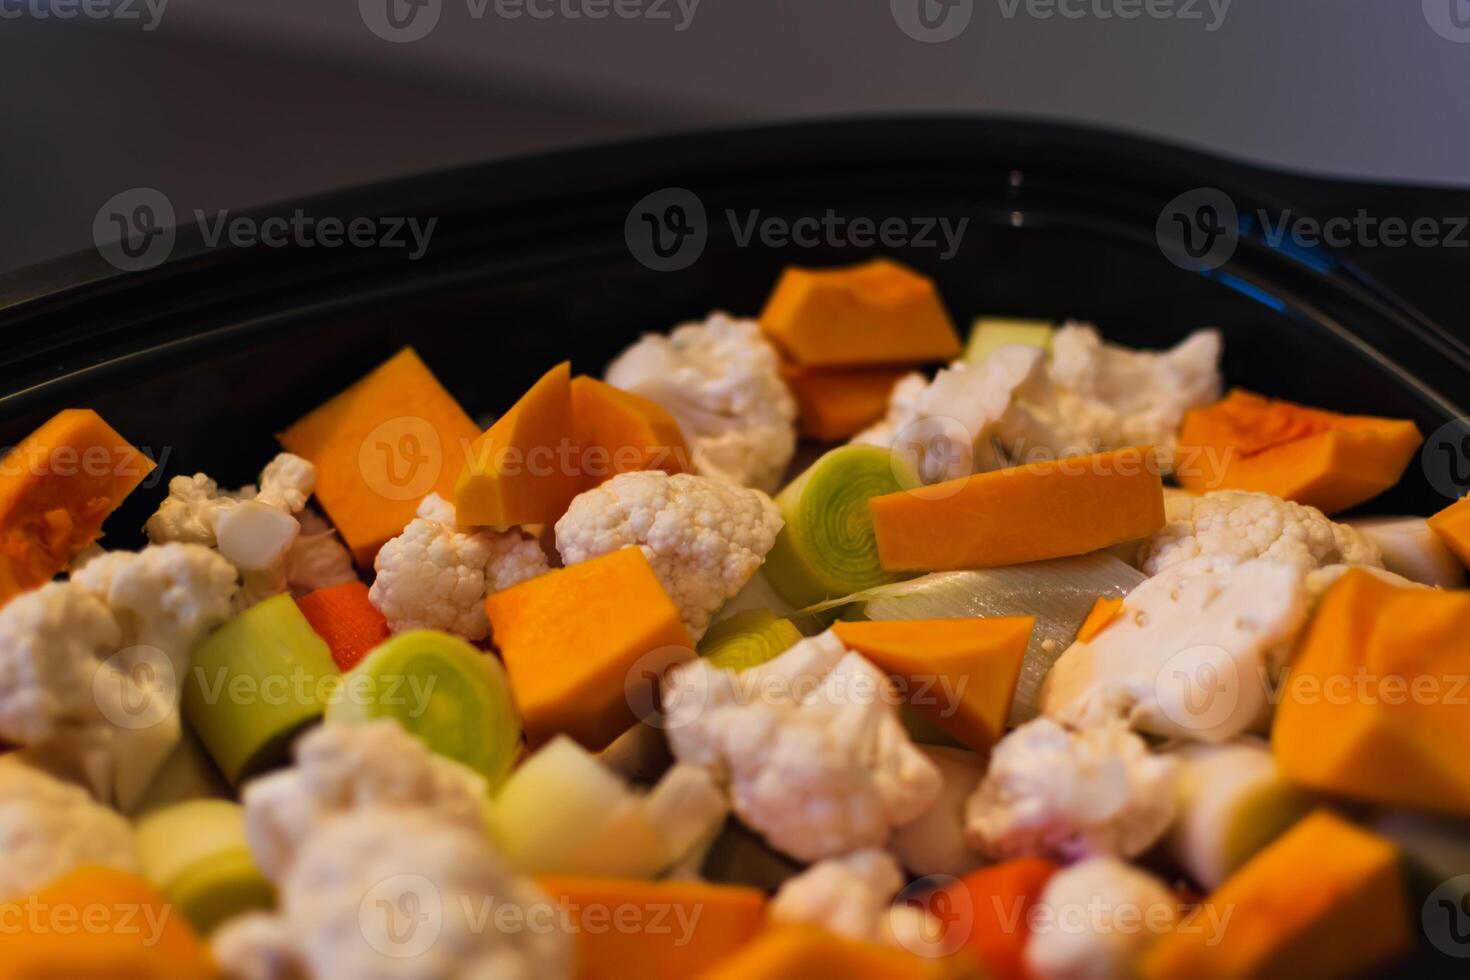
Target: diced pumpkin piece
1323, 900
877, 312
620, 432
1050, 509
1373, 706
628, 929
571, 638
524, 469
1453, 527
1311, 456
959, 673
989, 912
380, 447
349, 622
789, 952
56, 488
99, 924
1104, 611
834, 404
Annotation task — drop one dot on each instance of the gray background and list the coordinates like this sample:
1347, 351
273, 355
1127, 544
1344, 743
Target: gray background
233, 103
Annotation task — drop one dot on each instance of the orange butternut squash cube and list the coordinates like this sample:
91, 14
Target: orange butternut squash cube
1324, 900
1375, 703
573, 639
526, 468
958, 673
99, 924
1104, 611
835, 404
630, 929
1453, 527
988, 910
380, 447
1049, 509
1329, 461
878, 312
790, 952
620, 432
56, 489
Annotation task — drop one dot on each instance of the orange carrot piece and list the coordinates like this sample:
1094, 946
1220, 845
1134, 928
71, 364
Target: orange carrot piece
986, 913
349, 622
1104, 611
56, 488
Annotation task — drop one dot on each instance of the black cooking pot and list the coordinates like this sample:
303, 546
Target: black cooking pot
204, 357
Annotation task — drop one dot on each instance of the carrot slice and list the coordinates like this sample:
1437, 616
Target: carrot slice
1104, 611
349, 622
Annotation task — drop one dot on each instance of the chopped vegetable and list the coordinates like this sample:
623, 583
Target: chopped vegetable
380, 446
196, 855
1453, 527
186, 775
1412, 548
255, 683
935, 844
1112, 940
1232, 803
570, 640
877, 312
827, 548
1329, 461
619, 431
748, 639
1027, 513
563, 812
834, 404
1324, 901
960, 673
100, 924
990, 912
441, 690
1104, 611
681, 928
989, 334
784, 952
56, 488
690, 810
344, 617
524, 469
1056, 593
1372, 707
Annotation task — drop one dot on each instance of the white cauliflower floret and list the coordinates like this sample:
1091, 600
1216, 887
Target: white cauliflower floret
49, 828
851, 896
816, 758
91, 669
1099, 916
1192, 652
721, 380
946, 426
705, 539
318, 559
400, 895
1097, 396
253, 528
1057, 793
436, 574
340, 768
1253, 525
935, 843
